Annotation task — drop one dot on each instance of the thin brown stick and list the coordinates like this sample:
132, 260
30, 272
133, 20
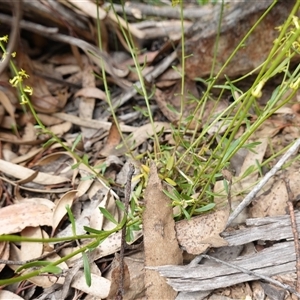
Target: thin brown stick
295, 231
120, 292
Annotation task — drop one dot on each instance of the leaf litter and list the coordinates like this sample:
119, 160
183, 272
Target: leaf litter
37, 183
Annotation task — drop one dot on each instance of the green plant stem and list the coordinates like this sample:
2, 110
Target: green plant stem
107, 92
130, 44
27, 101
99, 237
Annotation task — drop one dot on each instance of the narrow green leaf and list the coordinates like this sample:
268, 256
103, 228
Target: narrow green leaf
33, 264
108, 215
187, 215
51, 269
170, 163
248, 171
85, 159
170, 181
77, 140
49, 143
120, 204
92, 230
89, 177
171, 196
259, 167
75, 166
225, 183
72, 219
205, 208
86, 269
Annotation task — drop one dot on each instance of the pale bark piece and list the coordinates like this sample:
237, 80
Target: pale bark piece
268, 228
161, 246
278, 259
201, 232
239, 17
16, 217
274, 260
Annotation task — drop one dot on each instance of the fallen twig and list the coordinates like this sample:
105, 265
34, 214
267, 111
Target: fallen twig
17, 9
158, 70
251, 273
247, 200
139, 9
295, 231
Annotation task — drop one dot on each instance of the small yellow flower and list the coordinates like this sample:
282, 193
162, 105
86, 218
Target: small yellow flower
14, 81
28, 90
257, 90
175, 2
296, 21
23, 100
23, 73
295, 85
296, 45
4, 38
14, 54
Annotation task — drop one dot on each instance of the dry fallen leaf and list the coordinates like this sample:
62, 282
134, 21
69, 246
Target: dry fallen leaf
201, 232
159, 229
135, 264
144, 132
274, 202
271, 204
42, 99
98, 221
4, 253
4, 100
251, 159
31, 250
99, 287
87, 103
60, 129
113, 140
43, 281
22, 173
91, 92
5, 295
29, 215
60, 208
114, 276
